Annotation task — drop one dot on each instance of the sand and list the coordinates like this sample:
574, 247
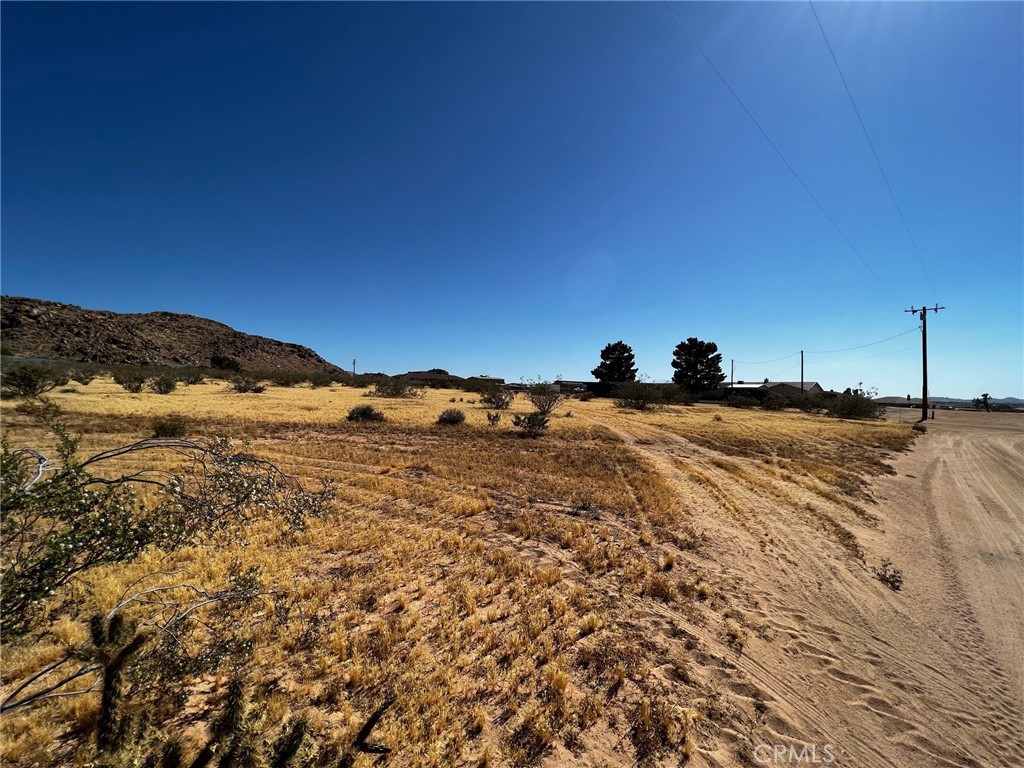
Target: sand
851, 673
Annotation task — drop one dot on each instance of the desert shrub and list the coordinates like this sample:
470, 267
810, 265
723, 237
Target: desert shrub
286, 378
638, 395
317, 380
30, 380
164, 384
131, 380
451, 416
493, 418
145, 667
83, 376
891, 577
773, 402
394, 386
190, 377
809, 403
169, 426
585, 397
544, 396
41, 408
246, 385
675, 394
855, 404
533, 424
225, 363
742, 401
919, 427
67, 520
365, 413
497, 396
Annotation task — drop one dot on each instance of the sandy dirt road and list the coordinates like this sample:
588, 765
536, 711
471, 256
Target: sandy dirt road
954, 517
848, 671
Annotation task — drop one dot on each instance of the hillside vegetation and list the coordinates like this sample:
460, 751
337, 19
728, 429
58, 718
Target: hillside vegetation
45, 329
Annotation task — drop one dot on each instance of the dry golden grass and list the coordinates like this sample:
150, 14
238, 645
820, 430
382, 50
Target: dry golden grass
501, 587
323, 407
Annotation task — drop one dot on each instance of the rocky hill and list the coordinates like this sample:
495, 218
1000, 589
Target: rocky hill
35, 328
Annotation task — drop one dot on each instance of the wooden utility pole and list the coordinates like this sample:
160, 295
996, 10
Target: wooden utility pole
732, 371
923, 313
801, 371
353, 366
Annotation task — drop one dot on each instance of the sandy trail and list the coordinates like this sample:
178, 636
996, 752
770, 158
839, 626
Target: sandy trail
930, 676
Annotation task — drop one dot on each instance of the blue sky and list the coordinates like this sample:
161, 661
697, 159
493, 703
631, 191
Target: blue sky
505, 188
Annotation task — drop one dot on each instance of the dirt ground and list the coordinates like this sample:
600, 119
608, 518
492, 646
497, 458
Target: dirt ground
932, 675
832, 666
844, 670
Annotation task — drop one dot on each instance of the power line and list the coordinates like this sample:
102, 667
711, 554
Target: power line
871, 144
827, 351
860, 346
766, 362
778, 152
784, 370
866, 357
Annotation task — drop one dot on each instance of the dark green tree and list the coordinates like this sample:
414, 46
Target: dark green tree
617, 364
698, 365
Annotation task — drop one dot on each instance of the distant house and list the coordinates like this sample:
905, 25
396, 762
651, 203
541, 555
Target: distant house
486, 379
435, 378
784, 388
571, 387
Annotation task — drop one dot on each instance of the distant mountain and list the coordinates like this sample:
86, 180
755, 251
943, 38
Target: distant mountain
46, 329
956, 402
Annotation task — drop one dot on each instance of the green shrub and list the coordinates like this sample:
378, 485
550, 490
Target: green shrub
365, 413
68, 520
855, 404
286, 378
225, 363
83, 377
164, 384
451, 416
585, 397
545, 397
320, 380
246, 385
773, 402
638, 395
532, 424
742, 401
394, 386
493, 418
809, 403
131, 380
192, 377
41, 408
497, 396
30, 380
169, 426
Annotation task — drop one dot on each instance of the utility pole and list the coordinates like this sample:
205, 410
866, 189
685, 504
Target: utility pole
801, 371
732, 371
353, 366
924, 354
